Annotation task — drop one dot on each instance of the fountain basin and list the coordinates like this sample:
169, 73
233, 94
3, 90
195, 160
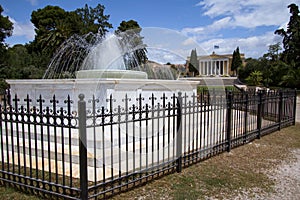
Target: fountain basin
101, 89
111, 73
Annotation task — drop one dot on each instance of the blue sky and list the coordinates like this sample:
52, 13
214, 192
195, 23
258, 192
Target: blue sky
249, 24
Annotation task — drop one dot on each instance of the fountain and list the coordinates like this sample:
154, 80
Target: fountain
95, 66
107, 84
106, 61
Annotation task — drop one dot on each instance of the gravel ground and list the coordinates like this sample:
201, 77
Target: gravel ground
287, 179
286, 176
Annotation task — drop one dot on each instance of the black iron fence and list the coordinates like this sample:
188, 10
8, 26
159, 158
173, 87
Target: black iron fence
84, 150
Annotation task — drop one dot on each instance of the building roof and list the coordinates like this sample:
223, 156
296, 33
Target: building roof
216, 56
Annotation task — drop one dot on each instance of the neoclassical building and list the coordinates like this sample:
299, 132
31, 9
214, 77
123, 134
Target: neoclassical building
216, 64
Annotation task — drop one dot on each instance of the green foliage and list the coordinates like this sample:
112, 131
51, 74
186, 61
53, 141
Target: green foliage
291, 45
130, 31
271, 67
54, 25
291, 79
273, 52
19, 64
6, 27
128, 25
93, 20
236, 60
255, 78
251, 65
194, 63
291, 38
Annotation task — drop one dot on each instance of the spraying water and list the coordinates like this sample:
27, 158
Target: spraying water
105, 55
110, 56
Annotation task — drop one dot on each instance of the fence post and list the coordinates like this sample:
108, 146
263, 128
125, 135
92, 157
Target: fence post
259, 113
280, 109
179, 133
295, 107
229, 119
246, 116
82, 148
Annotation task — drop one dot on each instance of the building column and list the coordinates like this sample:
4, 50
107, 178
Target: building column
227, 67
215, 67
218, 67
207, 67
223, 64
200, 67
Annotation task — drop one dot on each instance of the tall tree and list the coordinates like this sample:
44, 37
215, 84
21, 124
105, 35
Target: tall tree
54, 25
291, 45
273, 52
93, 19
291, 37
271, 66
48, 24
194, 63
6, 27
136, 52
236, 61
6, 30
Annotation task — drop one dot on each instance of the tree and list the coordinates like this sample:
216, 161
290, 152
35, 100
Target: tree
48, 24
236, 61
132, 41
251, 65
291, 45
54, 25
46, 19
194, 63
291, 79
255, 78
291, 38
6, 30
93, 19
272, 67
6, 27
273, 52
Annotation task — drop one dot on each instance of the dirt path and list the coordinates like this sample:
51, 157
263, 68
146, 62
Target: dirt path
287, 178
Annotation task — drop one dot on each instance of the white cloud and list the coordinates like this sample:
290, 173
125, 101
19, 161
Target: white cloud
248, 13
188, 42
33, 2
254, 46
245, 14
212, 28
163, 56
23, 29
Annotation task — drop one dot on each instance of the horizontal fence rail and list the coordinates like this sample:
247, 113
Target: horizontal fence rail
54, 149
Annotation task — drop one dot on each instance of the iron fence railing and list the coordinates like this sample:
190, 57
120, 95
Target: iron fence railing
84, 150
